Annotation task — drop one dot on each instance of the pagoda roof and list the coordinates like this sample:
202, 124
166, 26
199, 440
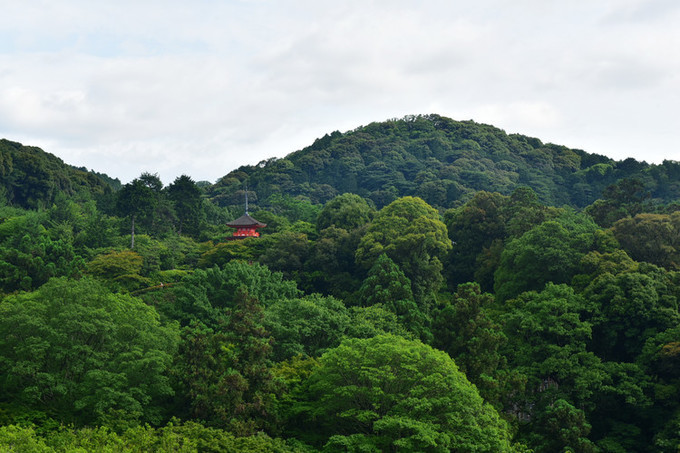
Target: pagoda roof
246, 220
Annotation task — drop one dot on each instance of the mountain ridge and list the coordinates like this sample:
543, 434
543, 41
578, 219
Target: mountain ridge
441, 160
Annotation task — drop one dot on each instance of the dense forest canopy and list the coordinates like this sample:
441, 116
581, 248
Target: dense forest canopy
422, 284
442, 161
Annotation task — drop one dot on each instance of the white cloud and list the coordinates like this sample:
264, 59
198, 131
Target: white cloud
202, 87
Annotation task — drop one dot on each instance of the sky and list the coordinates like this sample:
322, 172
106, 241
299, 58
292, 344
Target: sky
202, 87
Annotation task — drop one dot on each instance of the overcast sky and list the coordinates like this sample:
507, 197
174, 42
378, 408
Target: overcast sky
201, 87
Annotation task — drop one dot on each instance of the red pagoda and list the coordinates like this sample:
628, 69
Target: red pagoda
246, 227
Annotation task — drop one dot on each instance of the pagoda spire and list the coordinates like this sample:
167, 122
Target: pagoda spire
245, 225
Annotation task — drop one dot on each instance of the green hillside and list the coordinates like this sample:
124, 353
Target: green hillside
442, 161
477, 292
32, 178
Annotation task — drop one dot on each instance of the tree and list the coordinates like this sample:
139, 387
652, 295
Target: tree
548, 333
83, 354
410, 232
225, 372
562, 427
29, 256
387, 285
471, 228
631, 307
134, 200
387, 393
347, 211
161, 217
652, 238
308, 325
463, 329
187, 202
623, 199
550, 252
330, 268
204, 295
120, 269
285, 252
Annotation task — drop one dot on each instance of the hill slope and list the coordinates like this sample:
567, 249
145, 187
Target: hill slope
441, 160
31, 178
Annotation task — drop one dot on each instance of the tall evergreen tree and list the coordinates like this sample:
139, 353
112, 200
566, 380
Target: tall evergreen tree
387, 285
186, 197
225, 372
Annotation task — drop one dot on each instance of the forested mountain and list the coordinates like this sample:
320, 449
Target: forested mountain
32, 178
444, 162
422, 285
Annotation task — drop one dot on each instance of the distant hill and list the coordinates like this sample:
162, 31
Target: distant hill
444, 162
31, 178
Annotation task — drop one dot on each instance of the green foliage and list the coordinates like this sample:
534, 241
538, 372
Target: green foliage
347, 211
308, 325
410, 232
119, 269
463, 329
294, 208
224, 373
633, 306
187, 203
31, 178
368, 322
202, 296
29, 256
387, 393
548, 335
653, 238
471, 228
563, 428
285, 252
188, 437
387, 285
330, 266
135, 200
83, 354
224, 252
441, 160
586, 367
550, 252
623, 199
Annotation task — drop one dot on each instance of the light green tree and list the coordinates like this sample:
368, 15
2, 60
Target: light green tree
387, 393
411, 233
83, 354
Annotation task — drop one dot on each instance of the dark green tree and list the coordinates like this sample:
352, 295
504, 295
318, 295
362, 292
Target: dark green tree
631, 307
135, 200
550, 252
186, 198
225, 373
471, 228
654, 238
463, 329
387, 285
